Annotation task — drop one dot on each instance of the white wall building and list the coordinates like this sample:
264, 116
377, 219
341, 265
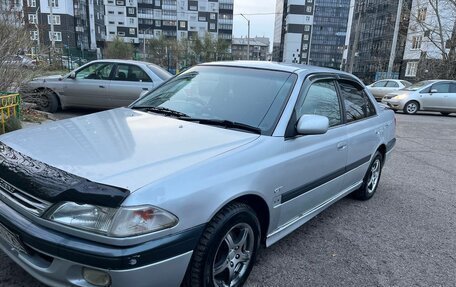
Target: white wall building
428, 33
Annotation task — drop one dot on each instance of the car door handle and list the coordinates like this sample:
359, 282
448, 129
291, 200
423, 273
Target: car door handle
341, 146
145, 89
102, 87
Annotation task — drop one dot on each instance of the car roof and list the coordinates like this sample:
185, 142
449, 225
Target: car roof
285, 67
123, 61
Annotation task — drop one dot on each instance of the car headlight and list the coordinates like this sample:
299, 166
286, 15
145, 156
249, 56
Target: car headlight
113, 222
400, 97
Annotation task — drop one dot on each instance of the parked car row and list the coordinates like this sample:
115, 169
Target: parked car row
431, 95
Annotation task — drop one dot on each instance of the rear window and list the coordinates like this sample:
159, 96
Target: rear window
160, 72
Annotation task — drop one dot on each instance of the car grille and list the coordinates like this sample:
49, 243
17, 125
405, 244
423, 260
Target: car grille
22, 200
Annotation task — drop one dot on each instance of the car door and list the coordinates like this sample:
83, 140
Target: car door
89, 87
363, 131
451, 100
391, 86
435, 98
315, 163
377, 89
128, 83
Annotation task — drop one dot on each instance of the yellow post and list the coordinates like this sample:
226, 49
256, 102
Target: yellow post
9, 106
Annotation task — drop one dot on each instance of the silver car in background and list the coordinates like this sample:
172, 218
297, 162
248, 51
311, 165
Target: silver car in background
380, 88
433, 95
101, 84
182, 187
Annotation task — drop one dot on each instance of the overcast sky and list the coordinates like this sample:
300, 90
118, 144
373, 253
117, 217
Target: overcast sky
260, 25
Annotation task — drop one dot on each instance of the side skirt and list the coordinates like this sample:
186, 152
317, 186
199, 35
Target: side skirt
295, 223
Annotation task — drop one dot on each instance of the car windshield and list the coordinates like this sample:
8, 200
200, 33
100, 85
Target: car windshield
252, 97
418, 85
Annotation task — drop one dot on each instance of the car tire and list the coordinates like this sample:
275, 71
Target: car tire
371, 179
411, 107
227, 249
46, 101
444, 114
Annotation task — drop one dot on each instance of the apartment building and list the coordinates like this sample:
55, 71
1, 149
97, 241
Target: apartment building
76, 24
374, 34
311, 31
136, 20
431, 37
259, 48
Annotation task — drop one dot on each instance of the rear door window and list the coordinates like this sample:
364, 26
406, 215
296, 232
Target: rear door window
392, 84
130, 73
357, 104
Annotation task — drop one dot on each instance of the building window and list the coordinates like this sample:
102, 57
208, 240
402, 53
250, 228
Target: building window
131, 11
132, 31
132, 21
33, 35
309, 9
193, 8
212, 16
33, 19
56, 19
182, 24
54, 3
121, 23
157, 3
31, 3
422, 14
121, 34
120, 12
416, 42
305, 37
307, 28
158, 23
411, 69
57, 36
305, 46
212, 26
110, 12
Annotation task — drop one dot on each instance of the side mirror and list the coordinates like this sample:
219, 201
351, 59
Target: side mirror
312, 125
72, 75
434, 91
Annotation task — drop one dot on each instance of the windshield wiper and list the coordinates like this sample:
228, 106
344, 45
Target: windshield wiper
161, 110
224, 123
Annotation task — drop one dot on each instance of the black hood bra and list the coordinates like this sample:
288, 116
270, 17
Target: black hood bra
18, 171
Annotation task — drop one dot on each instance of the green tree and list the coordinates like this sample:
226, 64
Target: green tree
118, 49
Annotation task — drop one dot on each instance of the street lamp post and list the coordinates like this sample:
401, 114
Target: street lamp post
144, 43
248, 37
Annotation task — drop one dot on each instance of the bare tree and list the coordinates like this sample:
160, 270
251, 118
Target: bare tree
14, 42
435, 22
118, 49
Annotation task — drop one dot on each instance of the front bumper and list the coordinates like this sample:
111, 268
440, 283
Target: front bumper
57, 259
393, 104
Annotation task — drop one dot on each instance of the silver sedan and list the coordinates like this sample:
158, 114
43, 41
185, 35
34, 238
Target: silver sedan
380, 88
101, 84
433, 95
182, 187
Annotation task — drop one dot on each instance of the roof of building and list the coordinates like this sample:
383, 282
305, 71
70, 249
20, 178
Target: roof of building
253, 42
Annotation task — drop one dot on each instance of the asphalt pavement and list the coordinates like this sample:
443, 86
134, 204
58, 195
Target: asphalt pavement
404, 236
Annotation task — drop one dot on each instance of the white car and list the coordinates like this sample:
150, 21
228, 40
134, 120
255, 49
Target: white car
380, 88
433, 95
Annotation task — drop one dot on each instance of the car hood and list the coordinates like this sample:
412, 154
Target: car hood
122, 147
397, 93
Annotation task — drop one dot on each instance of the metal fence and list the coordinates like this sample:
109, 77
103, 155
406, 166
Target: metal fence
9, 107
